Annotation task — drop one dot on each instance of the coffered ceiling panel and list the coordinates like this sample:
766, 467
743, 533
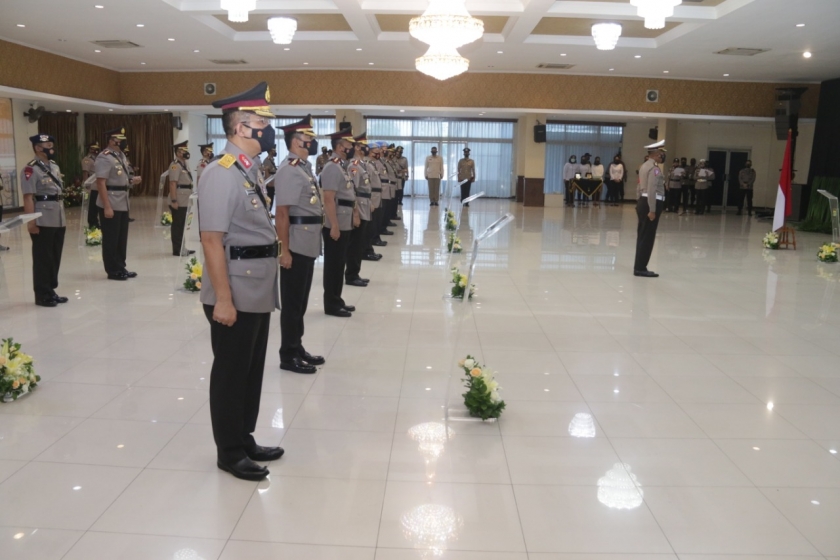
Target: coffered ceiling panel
685, 2
399, 22
305, 22
583, 27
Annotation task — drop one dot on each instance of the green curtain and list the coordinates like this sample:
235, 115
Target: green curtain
63, 127
818, 218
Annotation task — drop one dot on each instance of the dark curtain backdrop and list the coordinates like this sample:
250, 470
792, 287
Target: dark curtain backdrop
824, 159
64, 128
149, 141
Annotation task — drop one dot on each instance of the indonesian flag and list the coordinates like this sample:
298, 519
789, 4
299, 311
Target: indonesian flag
783, 201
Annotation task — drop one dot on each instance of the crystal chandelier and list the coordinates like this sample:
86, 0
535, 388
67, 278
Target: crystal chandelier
606, 35
446, 23
655, 11
442, 63
282, 29
238, 9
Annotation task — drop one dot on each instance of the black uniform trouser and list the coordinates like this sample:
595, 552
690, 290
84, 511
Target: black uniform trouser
700, 201
46, 260
387, 208
569, 193
646, 232
686, 197
335, 259
465, 189
236, 380
114, 240
356, 250
374, 227
295, 283
674, 195
748, 194
93, 214
179, 222
400, 191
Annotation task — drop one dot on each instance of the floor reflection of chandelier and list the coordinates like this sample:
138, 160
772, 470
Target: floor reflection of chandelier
430, 527
238, 9
618, 489
445, 26
431, 438
655, 11
582, 425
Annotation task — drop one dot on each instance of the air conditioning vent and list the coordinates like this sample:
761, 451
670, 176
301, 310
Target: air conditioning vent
229, 61
553, 66
742, 52
116, 44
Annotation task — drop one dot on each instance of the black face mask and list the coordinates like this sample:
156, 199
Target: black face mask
377, 156
573, 160
186, 155
749, 164
265, 136
123, 144
434, 152
49, 152
208, 155
312, 147
597, 161
350, 153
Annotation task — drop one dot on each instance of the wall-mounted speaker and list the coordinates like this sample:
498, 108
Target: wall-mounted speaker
652, 96
176, 123
539, 133
209, 89
653, 133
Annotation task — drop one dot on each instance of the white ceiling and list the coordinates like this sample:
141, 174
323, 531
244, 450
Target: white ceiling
68, 26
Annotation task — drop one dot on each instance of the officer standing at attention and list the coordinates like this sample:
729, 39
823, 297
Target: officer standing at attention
392, 168
180, 189
649, 207
359, 236
433, 170
746, 178
402, 176
206, 158
466, 174
375, 205
239, 289
40, 182
269, 169
88, 169
321, 160
299, 212
112, 183
380, 156
341, 217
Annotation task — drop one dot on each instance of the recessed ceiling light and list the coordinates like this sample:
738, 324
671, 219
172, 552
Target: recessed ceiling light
665, 72
306, 64
611, 69
171, 39
111, 110
68, 110
726, 75
143, 63
562, 54
196, 50
807, 54
638, 56
140, 25
21, 25
402, 110
96, 50
370, 63
359, 49
99, 7
77, 488
500, 52
800, 25
815, 502
19, 536
833, 451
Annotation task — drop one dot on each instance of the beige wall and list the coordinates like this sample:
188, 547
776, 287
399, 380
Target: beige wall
23, 130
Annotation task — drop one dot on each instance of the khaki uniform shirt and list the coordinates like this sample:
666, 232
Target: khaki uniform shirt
202, 165
320, 162
35, 180
703, 178
466, 170
269, 169
112, 166
375, 184
179, 173
296, 187
335, 178
391, 169
88, 165
434, 167
402, 168
382, 174
228, 203
746, 178
675, 177
361, 180
651, 183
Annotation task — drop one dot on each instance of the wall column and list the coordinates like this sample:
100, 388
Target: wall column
530, 162
668, 131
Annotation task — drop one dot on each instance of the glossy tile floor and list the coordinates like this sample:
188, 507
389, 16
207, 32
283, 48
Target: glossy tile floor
693, 416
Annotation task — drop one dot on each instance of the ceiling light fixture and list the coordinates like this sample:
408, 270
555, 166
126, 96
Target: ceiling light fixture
21, 25
196, 50
98, 7
370, 63
726, 75
238, 9
606, 35
96, 50
287, 49
665, 72
446, 23
140, 25
442, 63
638, 56
359, 49
807, 54
171, 39
282, 29
800, 25
655, 11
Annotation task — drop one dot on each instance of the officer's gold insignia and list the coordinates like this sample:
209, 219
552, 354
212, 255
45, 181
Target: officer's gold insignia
313, 200
227, 160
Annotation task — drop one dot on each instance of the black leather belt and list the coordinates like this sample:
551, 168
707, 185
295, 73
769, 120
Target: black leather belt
363, 195
387, 182
350, 203
189, 187
254, 252
376, 189
48, 197
110, 188
306, 220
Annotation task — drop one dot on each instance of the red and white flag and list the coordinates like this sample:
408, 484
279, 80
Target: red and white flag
783, 198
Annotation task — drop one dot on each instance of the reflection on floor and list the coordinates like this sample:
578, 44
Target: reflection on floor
693, 416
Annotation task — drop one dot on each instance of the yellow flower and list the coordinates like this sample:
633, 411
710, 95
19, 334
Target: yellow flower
475, 372
197, 269
198, 284
193, 276
15, 384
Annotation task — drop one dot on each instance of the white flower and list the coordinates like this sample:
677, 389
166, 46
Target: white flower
462, 283
469, 363
492, 386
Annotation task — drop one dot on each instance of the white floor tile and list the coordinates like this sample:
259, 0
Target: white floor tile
557, 460
783, 463
813, 511
236, 550
24, 437
107, 546
27, 543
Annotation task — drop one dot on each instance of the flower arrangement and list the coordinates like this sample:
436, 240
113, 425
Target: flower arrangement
93, 236
453, 244
459, 282
194, 272
771, 240
451, 223
166, 219
828, 252
17, 375
482, 397
74, 194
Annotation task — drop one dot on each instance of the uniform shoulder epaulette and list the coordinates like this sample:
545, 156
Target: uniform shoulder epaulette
227, 161
31, 163
296, 161
173, 165
336, 160
106, 151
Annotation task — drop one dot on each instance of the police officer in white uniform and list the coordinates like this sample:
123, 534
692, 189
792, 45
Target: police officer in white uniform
649, 207
239, 284
42, 188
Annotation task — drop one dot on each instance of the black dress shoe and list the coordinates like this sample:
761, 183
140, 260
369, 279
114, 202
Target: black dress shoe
645, 273
371, 257
130, 274
244, 468
309, 358
297, 365
59, 299
260, 453
131, 219
339, 313
118, 276
356, 282
386, 232
46, 302
350, 308
379, 243
391, 224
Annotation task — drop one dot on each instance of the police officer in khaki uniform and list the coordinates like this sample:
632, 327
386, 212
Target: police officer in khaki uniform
380, 156
402, 177
433, 171
206, 158
649, 207
341, 217
375, 205
299, 212
42, 189
746, 180
239, 289
466, 174
393, 184
180, 189
112, 183
89, 169
360, 236
321, 160
269, 169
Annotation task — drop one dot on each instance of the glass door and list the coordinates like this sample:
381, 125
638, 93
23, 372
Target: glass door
726, 163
